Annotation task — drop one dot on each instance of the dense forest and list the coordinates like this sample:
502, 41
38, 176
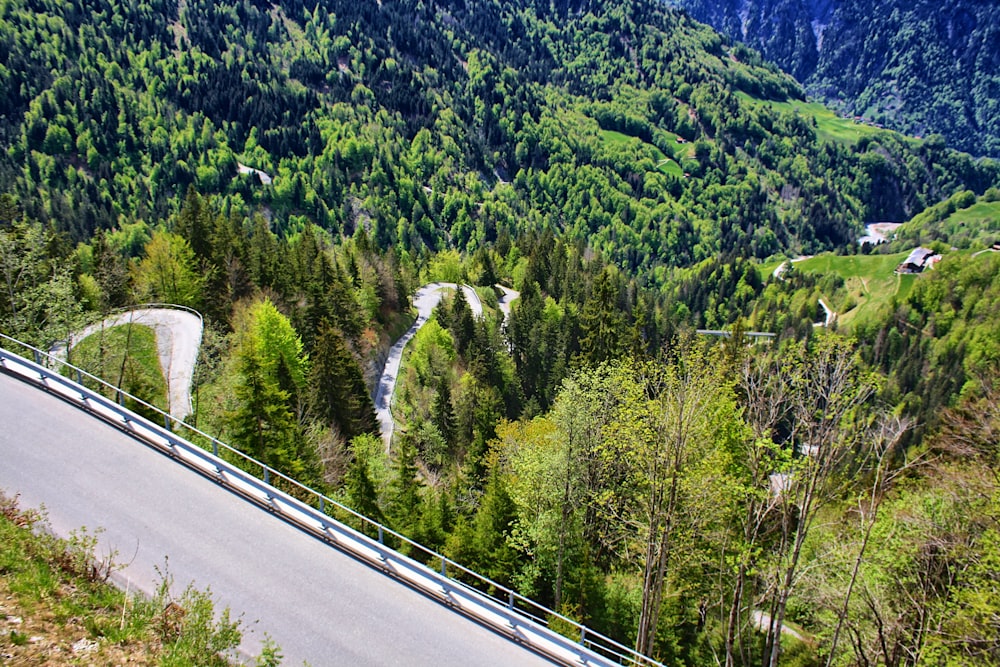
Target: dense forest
918, 67
295, 173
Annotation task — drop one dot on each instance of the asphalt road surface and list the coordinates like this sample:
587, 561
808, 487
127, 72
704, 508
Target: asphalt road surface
178, 337
506, 299
318, 604
425, 300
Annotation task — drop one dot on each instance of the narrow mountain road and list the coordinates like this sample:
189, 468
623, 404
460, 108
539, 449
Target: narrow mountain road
506, 299
762, 620
781, 268
425, 300
178, 338
830, 315
317, 603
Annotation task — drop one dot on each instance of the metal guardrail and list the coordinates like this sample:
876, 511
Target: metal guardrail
487, 601
722, 333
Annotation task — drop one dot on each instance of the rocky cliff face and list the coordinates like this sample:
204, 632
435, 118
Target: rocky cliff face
788, 32
920, 66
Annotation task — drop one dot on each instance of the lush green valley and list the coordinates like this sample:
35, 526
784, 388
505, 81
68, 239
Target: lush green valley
296, 172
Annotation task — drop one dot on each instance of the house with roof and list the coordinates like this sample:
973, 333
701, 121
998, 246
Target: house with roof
918, 260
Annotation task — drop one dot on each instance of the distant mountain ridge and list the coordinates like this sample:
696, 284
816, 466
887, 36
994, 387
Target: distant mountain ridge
919, 67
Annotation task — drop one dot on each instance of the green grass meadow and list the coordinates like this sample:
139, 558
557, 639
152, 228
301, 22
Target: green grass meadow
829, 126
870, 283
667, 164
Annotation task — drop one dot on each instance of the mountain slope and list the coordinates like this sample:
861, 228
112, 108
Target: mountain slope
919, 67
628, 127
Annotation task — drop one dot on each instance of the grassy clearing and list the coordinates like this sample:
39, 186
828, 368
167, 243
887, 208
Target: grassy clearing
56, 607
829, 126
870, 284
982, 213
613, 137
682, 149
666, 164
853, 266
125, 358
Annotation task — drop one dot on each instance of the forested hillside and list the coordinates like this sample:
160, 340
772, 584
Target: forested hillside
439, 126
918, 67
296, 171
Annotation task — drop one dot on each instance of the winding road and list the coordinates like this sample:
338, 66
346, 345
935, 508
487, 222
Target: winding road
506, 299
178, 338
425, 300
317, 603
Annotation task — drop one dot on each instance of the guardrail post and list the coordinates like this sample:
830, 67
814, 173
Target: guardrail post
38, 357
215, 447
381, 535
166, 422
444, 567
510, 600
79, 376
322, 505
583, 633
267, 475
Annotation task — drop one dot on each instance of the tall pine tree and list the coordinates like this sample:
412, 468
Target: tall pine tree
339, 394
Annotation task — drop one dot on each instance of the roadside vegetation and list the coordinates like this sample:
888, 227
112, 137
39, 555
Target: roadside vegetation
125, 356
57, 607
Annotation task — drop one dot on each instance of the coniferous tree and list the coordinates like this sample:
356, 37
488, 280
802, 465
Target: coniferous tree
528, 349
404, 505
460, 322
263, 420
488, 271
437, 519
602, 322
228, 281
267, 263
491, 528
339, 394
444, 411
195, 223
111, 273
362, 496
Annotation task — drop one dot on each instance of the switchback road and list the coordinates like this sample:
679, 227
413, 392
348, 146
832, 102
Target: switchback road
178, 337
425, 300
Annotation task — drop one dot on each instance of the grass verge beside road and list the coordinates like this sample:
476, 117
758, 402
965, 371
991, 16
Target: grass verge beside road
127, 359
57, 607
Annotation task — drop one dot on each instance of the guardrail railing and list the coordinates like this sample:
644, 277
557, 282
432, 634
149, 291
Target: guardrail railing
492, 603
